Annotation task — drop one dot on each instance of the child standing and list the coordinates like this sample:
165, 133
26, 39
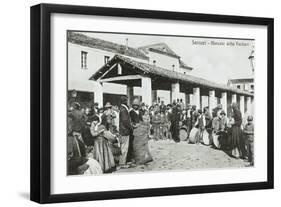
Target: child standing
146, 121
249, 135
163, 125
200, 124
156, 120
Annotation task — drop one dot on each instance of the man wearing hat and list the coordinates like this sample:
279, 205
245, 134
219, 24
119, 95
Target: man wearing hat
77, 117
136, 117
125, 129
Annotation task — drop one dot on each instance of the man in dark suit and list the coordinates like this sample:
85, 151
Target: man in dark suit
136, 117
125, 129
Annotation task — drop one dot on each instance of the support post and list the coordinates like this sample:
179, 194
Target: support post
248, 105
175, 91
242, 105
212, 100
146, 88
98, 94
130, 94
196, 97
224, 101
233, 98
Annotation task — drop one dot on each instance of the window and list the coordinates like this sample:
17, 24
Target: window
106, 59
84, 60
252, 87
238, 86
154, 62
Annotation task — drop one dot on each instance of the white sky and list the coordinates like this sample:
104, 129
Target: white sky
213, 62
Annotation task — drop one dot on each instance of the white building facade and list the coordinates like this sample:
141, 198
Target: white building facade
86, 55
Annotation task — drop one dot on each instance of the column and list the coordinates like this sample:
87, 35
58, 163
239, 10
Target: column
146, 88
233, 98
242, 105
224, 101
98, 94
130, 94
175, 91
252, 105
248, 105
191, 99
196, 97
212, 100
187, 100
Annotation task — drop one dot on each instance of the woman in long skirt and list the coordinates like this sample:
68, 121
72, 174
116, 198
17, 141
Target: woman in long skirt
102, 152
235, 139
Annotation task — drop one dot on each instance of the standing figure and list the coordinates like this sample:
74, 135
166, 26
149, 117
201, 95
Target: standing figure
200, 124
125, 129
236, 139
163, 125
146, 121
162, 106
102, 152
194, 115
156, 121
77, 117
175, 119
136, 118
169, 120
249, 134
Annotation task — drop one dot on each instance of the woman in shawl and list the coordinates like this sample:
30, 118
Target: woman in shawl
235, 139
78, 161
102, 152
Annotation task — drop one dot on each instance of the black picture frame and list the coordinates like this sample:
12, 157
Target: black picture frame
41, 102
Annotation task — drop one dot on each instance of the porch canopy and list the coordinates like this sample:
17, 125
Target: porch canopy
128, 71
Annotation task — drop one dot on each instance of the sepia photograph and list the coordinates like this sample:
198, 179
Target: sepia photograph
139, 103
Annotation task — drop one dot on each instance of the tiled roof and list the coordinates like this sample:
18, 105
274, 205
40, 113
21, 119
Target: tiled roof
148, 69
84, 40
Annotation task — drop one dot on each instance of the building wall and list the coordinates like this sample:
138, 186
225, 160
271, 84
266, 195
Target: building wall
164, 61
78, 78
95, 60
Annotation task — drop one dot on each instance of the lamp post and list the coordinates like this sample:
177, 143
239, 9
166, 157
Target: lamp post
252, 59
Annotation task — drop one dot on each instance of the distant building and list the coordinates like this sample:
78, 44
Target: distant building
246, 84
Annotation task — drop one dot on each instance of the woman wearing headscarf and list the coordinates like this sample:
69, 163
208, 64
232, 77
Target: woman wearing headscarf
235, 139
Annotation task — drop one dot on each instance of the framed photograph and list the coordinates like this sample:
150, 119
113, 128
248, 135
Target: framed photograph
133, 103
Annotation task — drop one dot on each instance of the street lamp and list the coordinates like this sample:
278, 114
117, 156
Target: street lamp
252, 59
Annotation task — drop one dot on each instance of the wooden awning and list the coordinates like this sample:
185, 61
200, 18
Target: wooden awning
135, 70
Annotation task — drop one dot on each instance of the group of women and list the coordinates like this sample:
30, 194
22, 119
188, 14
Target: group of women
219, 131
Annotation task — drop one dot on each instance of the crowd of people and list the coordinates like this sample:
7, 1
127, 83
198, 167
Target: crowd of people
103, 140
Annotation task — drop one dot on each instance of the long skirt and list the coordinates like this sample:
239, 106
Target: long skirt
175, 128
140, 145
103, 155
235, 141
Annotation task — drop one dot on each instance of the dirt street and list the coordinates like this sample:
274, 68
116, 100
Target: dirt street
168, 155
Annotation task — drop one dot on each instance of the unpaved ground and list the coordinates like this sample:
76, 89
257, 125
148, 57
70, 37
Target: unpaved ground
168, 155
